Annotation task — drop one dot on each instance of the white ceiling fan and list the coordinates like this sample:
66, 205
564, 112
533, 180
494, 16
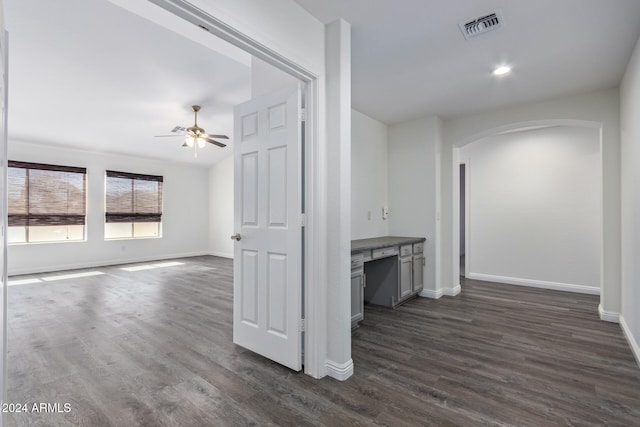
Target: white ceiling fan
196, 136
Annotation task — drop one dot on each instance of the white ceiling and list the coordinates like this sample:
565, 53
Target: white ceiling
410, 59
87, 74
91, 75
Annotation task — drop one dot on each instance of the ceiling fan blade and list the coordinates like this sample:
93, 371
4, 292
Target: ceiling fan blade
218, 136
214, 142
179, 129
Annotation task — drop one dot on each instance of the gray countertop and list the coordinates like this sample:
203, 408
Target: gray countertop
383, 242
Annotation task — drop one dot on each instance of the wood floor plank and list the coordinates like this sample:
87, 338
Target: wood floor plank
154, 348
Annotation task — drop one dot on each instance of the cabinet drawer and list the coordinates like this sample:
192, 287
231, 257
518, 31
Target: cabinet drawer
418, 248
357, 260
384, 252
405, 250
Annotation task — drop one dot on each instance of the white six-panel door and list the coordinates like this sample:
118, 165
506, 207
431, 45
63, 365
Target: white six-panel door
267, 272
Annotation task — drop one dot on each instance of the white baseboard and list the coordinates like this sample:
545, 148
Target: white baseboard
452, 292
428, 293
221, 254
102, 263
556, 286
608, 316
635, 348
340, 371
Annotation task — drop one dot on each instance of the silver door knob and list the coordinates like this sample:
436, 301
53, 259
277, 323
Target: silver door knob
236, 237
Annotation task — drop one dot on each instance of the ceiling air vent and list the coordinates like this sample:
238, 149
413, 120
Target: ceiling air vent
481, 25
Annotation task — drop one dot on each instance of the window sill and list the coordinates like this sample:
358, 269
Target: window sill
115, 239
46, 243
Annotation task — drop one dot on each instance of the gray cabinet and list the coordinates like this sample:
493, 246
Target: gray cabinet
418, 273
357, 289
385, 271
418, 267
405, 273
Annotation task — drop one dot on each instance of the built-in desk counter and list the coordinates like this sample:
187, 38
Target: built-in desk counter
385, 271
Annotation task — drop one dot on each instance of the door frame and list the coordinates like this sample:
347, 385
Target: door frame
314, 289
465, 225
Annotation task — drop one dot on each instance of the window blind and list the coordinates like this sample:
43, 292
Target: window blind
132, 197
42, 194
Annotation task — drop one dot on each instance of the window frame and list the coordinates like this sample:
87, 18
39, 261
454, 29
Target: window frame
28, 219
134, 216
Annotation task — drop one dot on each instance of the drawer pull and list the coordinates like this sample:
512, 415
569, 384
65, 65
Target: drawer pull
386, 252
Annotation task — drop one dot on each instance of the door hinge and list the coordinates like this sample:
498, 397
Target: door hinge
303, 220
302, 325
303, 114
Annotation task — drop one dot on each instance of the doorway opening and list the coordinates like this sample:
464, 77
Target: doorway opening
190, 93
536, 218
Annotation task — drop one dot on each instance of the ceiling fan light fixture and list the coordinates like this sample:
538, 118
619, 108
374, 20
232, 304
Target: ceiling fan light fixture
502, 70
195, 136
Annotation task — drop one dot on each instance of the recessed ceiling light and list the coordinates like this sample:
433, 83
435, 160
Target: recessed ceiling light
501, 71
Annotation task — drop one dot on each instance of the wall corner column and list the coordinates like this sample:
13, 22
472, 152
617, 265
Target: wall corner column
338, 196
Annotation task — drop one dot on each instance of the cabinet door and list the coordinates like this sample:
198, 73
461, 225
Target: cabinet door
357, 296
406, 267
418, 273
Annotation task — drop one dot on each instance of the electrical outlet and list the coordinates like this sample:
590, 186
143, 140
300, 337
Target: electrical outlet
385, 212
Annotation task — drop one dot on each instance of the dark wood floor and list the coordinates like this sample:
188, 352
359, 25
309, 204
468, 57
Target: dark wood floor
153, 348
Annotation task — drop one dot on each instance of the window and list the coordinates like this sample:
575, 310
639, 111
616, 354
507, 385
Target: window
47, 203
133, 205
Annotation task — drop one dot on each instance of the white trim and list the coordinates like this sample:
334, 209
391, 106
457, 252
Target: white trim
428, 293
467, 216
340, 371
191, 13
452, 292
103, 263
315, 261
556, 286
221, 254
608, 316
635, 348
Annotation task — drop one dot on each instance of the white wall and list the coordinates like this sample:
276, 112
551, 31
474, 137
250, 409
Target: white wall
630, 130
369, 176
184, 219
221, 208
534, 208
413, 187
599, 108
267, 79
